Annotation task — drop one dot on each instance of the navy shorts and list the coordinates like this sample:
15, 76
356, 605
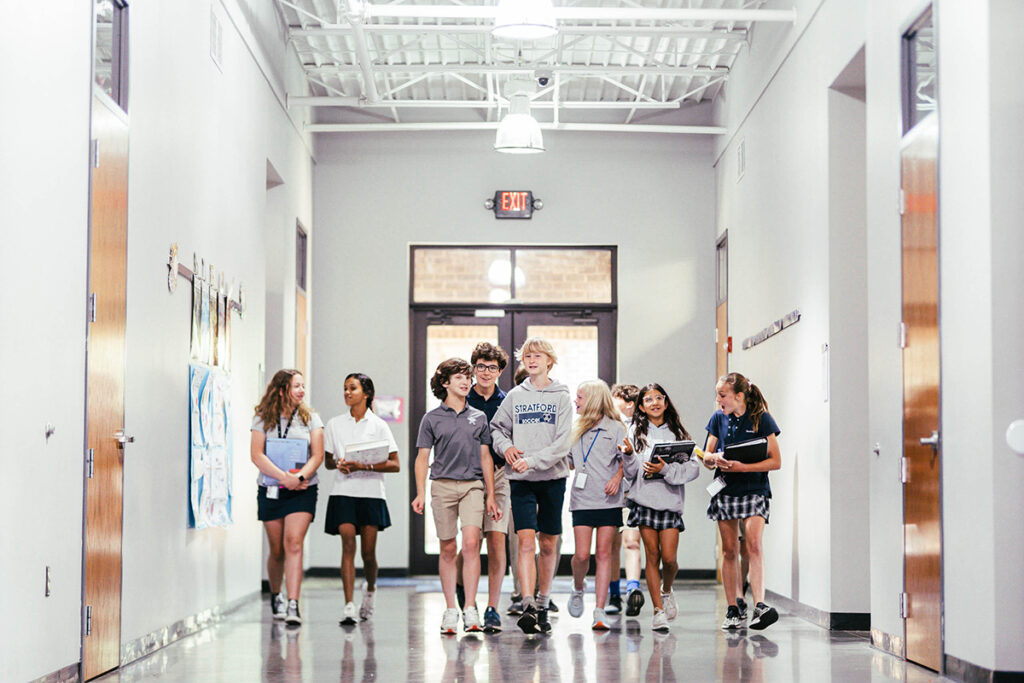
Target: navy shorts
598, 518
358, 512
287, 502
537, 505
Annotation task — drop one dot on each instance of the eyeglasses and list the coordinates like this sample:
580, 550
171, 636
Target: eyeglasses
653, 398
480, 367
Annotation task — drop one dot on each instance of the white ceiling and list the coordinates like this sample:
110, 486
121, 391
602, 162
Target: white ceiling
433, 64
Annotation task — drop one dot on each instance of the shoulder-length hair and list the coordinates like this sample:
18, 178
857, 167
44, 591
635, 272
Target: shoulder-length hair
274, 399
641, 422
597, 405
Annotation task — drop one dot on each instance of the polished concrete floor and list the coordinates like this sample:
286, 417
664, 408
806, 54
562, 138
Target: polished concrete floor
402, 643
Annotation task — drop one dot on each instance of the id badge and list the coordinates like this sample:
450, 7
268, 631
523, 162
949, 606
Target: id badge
716, 485
273, 492
581, 480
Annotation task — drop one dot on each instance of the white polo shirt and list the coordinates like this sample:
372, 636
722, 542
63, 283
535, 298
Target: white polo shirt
344, 429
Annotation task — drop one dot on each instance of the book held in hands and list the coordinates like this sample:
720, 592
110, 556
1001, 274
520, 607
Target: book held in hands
368, 452
288, 454
748, 452
670, 452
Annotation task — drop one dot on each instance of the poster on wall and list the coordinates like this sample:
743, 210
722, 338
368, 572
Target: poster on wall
210, 446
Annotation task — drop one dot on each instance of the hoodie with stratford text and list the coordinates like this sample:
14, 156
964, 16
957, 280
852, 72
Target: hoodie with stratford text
537, 422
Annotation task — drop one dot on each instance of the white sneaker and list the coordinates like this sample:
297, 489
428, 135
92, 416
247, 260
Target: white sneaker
471, 620
668, 601
600, 620
366, 609
660, 622
348, 616
576, 603
450, 622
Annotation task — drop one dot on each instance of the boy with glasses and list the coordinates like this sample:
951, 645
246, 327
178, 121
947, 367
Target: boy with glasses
532, 430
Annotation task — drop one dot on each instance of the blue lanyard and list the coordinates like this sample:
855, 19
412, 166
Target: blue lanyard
587, 455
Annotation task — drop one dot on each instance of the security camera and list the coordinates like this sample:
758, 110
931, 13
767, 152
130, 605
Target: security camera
543, 77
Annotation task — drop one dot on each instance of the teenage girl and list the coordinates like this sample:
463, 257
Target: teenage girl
656, 504
286, 508
595, 500
357, 503
743, 416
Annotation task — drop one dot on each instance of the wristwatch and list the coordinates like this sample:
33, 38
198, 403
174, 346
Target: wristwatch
302, 478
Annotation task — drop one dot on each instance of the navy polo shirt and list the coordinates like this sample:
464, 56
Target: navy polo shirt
490, 407
730, 429
456, 439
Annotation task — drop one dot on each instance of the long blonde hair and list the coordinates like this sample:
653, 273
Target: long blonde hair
273, 402
597, 405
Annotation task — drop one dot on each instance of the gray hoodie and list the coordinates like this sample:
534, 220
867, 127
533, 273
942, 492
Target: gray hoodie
537, 422
600, 446
657, 494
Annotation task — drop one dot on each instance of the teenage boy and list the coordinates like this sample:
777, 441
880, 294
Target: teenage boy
460, 475
531, 429
488, 361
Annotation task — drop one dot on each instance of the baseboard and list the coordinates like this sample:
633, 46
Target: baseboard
886, 642
959, 670
69, 674
151, 642
833, 621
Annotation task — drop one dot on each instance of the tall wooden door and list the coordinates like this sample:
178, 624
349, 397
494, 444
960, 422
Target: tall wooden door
105, 391
722, 344
922, 530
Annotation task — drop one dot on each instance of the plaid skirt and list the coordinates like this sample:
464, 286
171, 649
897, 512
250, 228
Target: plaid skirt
659, 520
724, 507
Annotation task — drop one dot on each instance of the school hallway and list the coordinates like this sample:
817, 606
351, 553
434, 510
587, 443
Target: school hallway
401, 643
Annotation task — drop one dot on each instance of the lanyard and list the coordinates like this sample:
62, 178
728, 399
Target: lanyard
285, 435
587, 455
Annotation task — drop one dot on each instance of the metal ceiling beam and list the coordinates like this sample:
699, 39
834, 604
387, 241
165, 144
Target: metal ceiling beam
572, 70
363, 54
566, 29
393, 11
493, 125
469, 104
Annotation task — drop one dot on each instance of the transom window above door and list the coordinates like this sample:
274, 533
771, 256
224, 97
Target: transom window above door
509, 275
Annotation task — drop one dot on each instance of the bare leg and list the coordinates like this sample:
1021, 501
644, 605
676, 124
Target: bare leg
730, 567
548, 562
669, 540
527, 568
653, 553
755, 549
744, 559
615, 561
368, 546
446, 570
295, 526
495, 566
581, 558
275, 561
348, 559
631, 543
605, 537
470, 562
513, 556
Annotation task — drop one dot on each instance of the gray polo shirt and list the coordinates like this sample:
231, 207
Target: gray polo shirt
456, 439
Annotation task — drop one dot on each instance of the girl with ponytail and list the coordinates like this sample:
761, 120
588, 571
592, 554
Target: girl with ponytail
744, 499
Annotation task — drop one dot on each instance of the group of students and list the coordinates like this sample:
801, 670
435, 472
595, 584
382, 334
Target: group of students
505, 460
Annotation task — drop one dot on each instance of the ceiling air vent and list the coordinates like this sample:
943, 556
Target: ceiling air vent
741, 159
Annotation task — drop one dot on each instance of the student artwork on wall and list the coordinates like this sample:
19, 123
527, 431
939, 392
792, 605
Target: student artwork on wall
209, 446
388, 408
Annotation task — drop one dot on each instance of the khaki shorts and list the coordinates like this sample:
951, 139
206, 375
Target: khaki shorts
501, 499
452, 500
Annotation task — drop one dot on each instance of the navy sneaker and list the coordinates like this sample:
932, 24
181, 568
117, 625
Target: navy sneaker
516, 608
741, 604
614, 605
492, 622
764, 616
543, 625
527, 623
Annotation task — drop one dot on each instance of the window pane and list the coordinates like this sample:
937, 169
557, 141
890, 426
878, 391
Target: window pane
564, 276
462, 275
104, 56
921, 75
444, 342
577, 350
723, 273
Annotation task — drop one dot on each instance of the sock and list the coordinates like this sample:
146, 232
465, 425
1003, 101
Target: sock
632, 584
614, 588
543, 601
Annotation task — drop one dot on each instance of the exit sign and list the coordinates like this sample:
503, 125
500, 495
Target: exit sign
513, 204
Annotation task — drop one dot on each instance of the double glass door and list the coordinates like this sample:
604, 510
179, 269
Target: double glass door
584, 340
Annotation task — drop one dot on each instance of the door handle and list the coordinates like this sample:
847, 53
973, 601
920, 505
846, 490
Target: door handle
932, 440
123, 438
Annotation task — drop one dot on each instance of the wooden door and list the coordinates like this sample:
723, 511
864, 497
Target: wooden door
922, 530
105, 391
301, 329
721, 303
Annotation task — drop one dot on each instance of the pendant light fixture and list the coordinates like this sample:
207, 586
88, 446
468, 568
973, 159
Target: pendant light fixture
519, 132
524, 20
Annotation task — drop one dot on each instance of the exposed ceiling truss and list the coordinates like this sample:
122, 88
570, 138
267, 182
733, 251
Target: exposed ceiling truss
422, 64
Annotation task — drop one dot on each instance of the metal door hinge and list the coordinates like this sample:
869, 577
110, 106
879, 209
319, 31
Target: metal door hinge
90, 463
88, 620
94, 152
903, 202
92, 307
903, 335
904, 470
904, 605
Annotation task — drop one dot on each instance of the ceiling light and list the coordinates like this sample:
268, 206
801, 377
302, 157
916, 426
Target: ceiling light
519, 132
524, 20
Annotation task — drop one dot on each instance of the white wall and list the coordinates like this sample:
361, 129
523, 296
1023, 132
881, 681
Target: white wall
649, 195
200, 140
778, 216
44, 203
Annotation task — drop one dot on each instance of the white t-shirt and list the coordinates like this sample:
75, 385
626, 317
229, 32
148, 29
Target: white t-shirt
344, 429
